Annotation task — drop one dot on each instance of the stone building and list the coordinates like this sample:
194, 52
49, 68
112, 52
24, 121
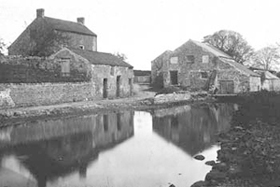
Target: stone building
197, 65
142, 77
110, 76
75, 72
45, 31
270, 82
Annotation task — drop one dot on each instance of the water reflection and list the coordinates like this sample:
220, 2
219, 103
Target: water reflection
193, 128
113, 149
56, 148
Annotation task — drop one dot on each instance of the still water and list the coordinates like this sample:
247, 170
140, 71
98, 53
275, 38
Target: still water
125, 149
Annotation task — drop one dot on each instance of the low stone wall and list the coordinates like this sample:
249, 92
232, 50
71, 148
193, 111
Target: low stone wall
173, 97
22, 95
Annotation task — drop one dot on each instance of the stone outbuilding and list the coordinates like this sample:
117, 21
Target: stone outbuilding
52, 33
142, 77
111, 77
270, 82
199, 66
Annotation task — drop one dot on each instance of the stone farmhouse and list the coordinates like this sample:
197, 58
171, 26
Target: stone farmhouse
76, 33
197, 65
76, 72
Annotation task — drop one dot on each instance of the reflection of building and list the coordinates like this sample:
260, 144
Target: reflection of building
60, 147
194, 129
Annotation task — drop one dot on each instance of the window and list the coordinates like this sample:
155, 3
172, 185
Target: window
190, 59
204, 75
205, 59
65, 67
112, 71
174, 60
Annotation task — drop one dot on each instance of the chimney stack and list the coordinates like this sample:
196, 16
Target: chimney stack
40, 13
81, 20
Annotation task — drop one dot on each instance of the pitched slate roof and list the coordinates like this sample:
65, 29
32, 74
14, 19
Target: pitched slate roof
100, 58
225, 58
269, 75
212, 49
68, 26
142, 72
239, 66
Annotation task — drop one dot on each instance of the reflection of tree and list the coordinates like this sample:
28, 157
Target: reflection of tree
50, 155
195, 129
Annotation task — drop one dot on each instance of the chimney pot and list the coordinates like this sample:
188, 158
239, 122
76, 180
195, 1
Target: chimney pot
81, 20
40, 13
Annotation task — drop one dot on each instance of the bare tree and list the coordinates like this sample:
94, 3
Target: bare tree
121, 56
266, 57
231, 43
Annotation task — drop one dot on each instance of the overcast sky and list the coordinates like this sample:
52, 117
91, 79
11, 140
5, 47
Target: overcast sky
143, 29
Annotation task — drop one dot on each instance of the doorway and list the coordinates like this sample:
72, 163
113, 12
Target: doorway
174, 77
226, 86
118, 86
130, 86
105, 88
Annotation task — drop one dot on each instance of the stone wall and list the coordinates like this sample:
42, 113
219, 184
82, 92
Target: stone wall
173, 97
242, 81
76, 40
24, 44
22, 95
101, 72
159, 69
39, 70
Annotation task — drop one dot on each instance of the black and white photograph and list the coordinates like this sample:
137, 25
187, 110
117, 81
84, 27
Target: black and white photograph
139, 93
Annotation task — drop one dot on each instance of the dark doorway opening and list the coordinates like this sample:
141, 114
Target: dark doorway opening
105, 123
174, 77
119, 124
118, 86
105, 88
130, 86
226, 86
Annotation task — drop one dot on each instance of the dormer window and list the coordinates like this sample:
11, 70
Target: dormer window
82, 47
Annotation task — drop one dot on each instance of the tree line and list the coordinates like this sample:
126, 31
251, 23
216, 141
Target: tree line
233, 44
